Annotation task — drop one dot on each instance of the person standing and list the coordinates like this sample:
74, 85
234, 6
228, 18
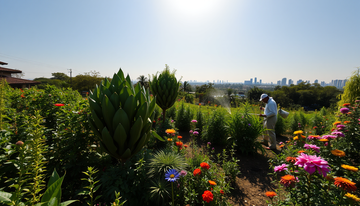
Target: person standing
270, 114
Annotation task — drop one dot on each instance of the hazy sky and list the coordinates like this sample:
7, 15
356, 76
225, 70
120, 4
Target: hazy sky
232, 40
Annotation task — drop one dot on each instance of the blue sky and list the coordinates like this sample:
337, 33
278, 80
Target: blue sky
232, 40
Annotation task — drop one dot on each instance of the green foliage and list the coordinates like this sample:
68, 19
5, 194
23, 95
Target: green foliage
216, 129
183, 117
200, 121
254, 94
171, 112
92, 187
86, 81
245, 129
121, 116
162, 161
351, 89
165, 87
280, 126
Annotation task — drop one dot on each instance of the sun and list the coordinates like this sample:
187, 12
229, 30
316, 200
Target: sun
194, 9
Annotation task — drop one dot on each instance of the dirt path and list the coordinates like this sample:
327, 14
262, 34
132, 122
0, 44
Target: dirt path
250, 186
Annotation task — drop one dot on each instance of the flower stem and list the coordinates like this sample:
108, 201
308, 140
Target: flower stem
172, 193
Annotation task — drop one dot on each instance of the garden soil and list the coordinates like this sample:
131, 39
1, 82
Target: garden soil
250, 186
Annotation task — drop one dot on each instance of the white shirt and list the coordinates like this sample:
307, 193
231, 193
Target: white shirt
270, 108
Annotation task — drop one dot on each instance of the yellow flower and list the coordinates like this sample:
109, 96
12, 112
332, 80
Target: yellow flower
323, 140
351, 168
296, 138
212, 182
298, 132
169, 140
338, 153
351, 196
170, 131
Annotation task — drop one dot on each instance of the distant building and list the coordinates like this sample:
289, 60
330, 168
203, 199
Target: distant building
323, 83
316, 81
283, 82
260, 81
291, 82
5, 73
279, 82
255, 80
299, 81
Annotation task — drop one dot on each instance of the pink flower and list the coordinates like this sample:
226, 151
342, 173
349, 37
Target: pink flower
313, 147
329, 137
338, 134
194, 121
280, 168
311, 137
183, 173
311, 163
344, 110
190, 131
326, 144
195, 133
172, 121
340, 126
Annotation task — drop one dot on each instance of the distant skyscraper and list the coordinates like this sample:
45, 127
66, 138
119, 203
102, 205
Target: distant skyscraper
291, 82
255, 80
316, 81
322, 83
283, 82
260, 81
299, 81
251, 81
279, 82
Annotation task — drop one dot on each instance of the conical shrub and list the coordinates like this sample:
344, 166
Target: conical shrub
166, 88
121, 116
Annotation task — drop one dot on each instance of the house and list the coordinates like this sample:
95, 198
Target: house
5, 73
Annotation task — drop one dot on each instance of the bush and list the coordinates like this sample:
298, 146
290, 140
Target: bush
245, 129
183, 118
280, 126
216, 129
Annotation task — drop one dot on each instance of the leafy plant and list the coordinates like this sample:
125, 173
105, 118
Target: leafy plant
164, 160
216, 129
183, 117
121, 116
165, 88
92, 187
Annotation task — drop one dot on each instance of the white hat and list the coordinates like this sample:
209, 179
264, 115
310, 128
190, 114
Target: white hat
263, 96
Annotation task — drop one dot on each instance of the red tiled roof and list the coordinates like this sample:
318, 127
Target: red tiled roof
12, 80
3, 69
3, 63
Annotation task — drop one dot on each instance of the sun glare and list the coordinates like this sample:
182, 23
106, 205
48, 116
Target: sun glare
194, 8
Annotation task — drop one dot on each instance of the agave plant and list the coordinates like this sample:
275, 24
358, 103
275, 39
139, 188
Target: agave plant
166, 88
121, 116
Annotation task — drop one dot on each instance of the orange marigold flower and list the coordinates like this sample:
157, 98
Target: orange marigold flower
323, 140
179, 144
349, 113
22, 95
345, 184
59, 104
222, 192
281, 146
296, 138
301, 151
303, 136
205, 165
287, 180
197, 172
292, 160
185, 145
337, 122
169, 140
353, 197
270, 194
212, 182
288, 141
338, 153
346, 122
351, 168
170, 131
346, 104
179, 137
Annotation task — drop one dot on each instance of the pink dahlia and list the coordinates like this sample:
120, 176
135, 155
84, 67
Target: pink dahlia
311, 163
340, 126
338, 134
280, 168
313, 147
194, 121
344, 110
329, 137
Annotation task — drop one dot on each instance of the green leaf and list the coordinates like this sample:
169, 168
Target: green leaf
5, 197
53, 191
157, 136
54, 176
67, 202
